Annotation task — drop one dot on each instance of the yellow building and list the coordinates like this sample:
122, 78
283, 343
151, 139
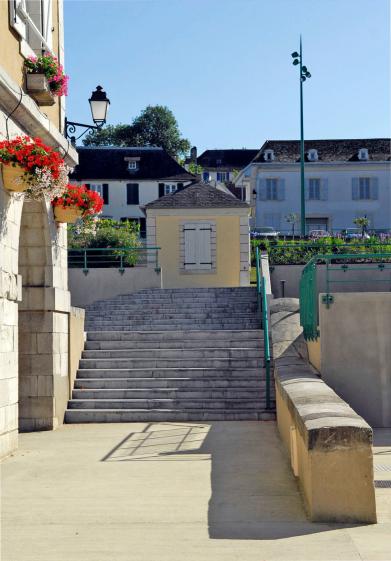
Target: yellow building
203, 234
35, 311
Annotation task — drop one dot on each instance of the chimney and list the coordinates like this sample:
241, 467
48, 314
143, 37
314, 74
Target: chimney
193, 154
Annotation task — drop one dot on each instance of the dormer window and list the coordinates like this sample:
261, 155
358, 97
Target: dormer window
219, 162
133, 164
312, 155
363, 154
268, 155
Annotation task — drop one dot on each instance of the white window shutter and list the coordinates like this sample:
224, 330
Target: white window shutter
324, 190
307, 189
374, 188
355, 189
16, 21
281, 190
262, 189
204, 256
190, 235
48, 22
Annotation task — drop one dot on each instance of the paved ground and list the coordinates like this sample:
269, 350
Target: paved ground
172, 492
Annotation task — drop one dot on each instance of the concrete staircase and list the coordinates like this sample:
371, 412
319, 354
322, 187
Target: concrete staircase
172, 355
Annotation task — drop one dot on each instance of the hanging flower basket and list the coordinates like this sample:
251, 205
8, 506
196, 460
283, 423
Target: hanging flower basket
76, 203
13, 178
69, 214
29, 165
45, 78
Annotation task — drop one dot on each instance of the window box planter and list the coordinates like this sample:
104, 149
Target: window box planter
67, 214
13, 178
38, 88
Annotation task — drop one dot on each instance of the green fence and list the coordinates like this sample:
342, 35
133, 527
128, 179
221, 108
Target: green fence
263, 304
119, 258
335, 263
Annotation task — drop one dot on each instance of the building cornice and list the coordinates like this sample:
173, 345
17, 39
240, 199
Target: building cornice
319, 165
23, 111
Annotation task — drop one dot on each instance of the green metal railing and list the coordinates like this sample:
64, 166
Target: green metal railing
335, 263
120, 258
263, 305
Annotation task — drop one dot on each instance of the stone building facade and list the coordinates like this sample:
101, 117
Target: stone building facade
34, 296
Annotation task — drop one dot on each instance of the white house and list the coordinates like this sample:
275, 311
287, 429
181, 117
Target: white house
129, 178
344, 179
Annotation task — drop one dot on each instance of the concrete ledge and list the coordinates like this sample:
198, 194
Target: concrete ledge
329, 444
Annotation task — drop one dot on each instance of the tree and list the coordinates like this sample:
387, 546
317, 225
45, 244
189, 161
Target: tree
293, 219
363, 223
155, 126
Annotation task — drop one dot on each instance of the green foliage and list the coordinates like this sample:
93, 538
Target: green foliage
106, 233
195, 169
299, 252
155, 126
362, 222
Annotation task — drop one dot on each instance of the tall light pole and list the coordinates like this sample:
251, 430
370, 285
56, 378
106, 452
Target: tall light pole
304, 74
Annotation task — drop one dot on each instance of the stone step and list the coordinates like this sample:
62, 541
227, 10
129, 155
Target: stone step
161, 403
168, 363
176, 335
170, 393
212, 343
164, 373
165, 415
174, 306
155, 316
114, 326
189, 383
177, 354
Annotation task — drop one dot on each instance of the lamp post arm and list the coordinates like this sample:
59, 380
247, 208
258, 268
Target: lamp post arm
70, 128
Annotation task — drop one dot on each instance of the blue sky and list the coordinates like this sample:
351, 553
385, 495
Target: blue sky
224, 66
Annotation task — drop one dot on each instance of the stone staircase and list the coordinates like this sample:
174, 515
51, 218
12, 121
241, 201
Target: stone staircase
172, 355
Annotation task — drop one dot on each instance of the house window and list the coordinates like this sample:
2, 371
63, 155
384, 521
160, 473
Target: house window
206, 176
219, 162
222, 176
314, 189
132, 194
268, 155
102, 189
32, 20
312, 155
363, 154
169, 188
364, 188
132, 166
197, 238
272, 189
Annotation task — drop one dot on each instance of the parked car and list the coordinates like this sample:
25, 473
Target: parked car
355, 233
264, 232
317, 234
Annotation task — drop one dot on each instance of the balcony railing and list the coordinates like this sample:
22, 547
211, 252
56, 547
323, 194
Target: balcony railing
120, 258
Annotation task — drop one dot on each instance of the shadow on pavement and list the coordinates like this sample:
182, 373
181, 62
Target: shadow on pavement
254, 495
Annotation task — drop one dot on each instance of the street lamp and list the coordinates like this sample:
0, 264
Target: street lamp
99, 104
304, 74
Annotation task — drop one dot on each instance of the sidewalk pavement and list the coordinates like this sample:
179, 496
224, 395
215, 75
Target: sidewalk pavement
219, 491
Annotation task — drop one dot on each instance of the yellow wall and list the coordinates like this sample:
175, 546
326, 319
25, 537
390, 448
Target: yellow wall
12, 61
314, 353
227, 246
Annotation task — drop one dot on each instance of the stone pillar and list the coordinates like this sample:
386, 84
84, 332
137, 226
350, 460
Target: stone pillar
43, 320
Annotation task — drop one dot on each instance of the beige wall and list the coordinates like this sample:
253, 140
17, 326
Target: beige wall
356, 352
11, 58
231, 249
100, 284
76, 342
314, 354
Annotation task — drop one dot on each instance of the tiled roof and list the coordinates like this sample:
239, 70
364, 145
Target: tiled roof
232, 158
198, 195
110, 163
345, 150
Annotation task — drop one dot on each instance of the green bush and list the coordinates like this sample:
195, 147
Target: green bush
299, 252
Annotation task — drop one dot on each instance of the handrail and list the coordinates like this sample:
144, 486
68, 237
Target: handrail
309, 314
116, 257
262, 301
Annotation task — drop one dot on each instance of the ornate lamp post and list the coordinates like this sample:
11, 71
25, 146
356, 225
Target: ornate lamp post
304, 74
99, 104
